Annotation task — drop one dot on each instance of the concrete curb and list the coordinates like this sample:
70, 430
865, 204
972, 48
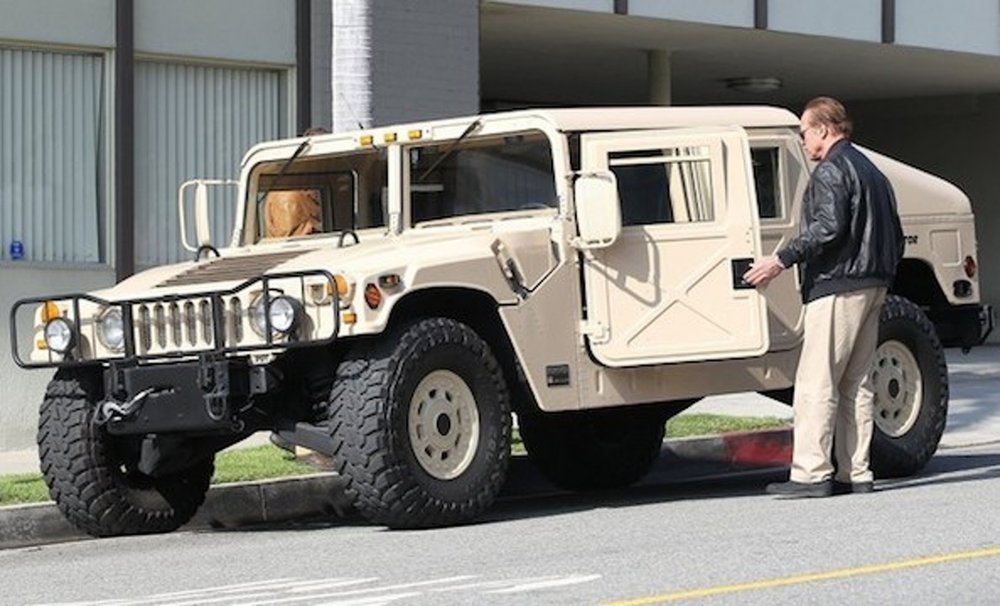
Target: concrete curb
766, 448
322, 495
226, 506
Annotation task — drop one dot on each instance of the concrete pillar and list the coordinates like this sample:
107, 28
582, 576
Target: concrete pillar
658, 72
351, 65
397, 61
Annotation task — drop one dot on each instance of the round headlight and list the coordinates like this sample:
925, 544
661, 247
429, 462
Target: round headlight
111, 329
257, 322
59, 335
284, 314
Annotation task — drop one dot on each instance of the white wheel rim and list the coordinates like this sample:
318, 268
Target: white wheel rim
444, 424
898, 387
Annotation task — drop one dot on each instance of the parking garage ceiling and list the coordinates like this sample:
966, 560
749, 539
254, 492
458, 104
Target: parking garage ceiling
536, 56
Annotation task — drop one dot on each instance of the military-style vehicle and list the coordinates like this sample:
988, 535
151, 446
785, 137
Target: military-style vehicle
391, 296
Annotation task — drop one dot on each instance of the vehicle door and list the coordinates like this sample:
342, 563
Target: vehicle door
669, 288
780, 176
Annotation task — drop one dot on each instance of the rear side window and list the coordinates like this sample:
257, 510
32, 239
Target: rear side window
672, 185
765, 175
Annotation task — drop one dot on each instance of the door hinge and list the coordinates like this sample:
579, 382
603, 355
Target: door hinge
596, 330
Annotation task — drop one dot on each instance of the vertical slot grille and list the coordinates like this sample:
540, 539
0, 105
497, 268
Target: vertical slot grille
175, 325
190, 323
205, 317
235, 321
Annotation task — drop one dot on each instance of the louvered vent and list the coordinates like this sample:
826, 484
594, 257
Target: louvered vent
230, 268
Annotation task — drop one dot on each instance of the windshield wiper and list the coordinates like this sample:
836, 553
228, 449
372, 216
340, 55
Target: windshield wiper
295, 155
451, 148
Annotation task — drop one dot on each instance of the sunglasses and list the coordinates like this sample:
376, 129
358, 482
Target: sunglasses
803, 131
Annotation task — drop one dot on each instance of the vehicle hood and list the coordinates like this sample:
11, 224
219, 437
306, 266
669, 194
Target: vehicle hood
416, 252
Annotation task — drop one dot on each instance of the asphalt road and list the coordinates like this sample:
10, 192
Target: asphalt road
930, 539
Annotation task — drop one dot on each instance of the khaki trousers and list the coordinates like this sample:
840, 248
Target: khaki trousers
833, 391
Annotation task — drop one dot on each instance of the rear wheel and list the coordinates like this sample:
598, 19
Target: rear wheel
594, 450
420, 422
91, 478
910, 379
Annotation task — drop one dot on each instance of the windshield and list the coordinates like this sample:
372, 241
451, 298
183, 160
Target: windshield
481, 175
321, 195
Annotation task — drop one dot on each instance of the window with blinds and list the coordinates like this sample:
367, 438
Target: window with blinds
196, 121
53, 183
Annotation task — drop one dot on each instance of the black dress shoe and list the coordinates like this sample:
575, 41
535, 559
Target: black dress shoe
853, 487
800, 490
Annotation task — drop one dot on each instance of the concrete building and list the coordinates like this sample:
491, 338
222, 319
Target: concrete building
106, 106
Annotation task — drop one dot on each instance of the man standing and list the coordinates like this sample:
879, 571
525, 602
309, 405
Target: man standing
847, 250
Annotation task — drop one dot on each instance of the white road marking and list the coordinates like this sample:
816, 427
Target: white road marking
548, 584
298, 587
180, 594
337, 592
374, 600
363, 591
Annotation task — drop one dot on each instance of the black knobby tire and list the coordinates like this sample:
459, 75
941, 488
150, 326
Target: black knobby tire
90, 483
594, 450
910, 378
390, 468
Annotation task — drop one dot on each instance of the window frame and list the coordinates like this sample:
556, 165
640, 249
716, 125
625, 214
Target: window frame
408, 187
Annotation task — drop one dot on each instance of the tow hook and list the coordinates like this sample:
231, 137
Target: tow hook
112, 410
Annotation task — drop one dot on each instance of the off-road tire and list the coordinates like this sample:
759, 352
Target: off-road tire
904, 324
371, 405
594, 450
89, 483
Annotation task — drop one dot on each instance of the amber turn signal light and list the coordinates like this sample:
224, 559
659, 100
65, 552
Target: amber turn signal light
373, 296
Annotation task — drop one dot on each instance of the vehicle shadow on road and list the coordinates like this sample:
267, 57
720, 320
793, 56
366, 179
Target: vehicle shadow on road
947, 468
529, 495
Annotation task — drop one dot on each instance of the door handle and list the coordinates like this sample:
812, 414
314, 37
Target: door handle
740, 267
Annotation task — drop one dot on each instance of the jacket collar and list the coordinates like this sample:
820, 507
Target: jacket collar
837, 148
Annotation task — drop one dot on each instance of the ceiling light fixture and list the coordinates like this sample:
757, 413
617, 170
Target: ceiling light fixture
765, 84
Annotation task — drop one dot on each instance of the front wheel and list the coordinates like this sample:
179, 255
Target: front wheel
420, 422
89, 474
910, 379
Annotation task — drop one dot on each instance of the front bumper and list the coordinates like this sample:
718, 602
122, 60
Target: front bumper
206, 396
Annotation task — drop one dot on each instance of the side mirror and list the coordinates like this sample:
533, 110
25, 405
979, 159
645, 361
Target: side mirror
202, 225
598, 210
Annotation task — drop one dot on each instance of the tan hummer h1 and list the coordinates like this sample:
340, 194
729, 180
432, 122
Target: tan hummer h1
579, 268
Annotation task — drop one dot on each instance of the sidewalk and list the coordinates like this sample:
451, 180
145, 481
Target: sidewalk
974, 418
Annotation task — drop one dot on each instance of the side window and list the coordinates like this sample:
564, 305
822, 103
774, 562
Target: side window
765, 175
664, 185
481, 175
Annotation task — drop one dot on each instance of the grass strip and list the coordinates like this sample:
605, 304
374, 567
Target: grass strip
237, 465
688, 425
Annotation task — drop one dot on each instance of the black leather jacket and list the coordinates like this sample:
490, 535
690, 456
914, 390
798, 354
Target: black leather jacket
850, 237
